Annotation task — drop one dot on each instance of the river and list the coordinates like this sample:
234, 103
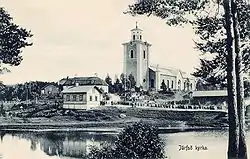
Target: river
71, 145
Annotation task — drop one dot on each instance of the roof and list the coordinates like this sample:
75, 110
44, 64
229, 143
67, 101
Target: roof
82, 81
80, 89
212, 93
170, 71
48, 85
141, 42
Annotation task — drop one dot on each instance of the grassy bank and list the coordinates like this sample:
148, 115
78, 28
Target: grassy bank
53, 118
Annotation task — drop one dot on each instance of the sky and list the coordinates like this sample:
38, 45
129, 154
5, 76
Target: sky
83, 37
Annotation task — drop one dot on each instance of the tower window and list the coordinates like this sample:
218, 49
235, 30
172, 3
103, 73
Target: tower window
140, 37
133, 37
144, 54
132, 54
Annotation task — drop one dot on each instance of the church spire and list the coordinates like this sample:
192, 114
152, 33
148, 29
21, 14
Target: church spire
136, 33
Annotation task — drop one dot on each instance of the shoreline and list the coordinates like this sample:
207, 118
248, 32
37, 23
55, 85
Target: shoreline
164, 126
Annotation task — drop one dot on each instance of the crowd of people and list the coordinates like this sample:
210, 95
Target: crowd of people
170, 105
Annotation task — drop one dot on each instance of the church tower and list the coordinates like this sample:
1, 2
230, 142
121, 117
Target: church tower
136, 58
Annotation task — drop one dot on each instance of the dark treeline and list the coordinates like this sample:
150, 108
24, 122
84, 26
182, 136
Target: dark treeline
119, 85
28, 90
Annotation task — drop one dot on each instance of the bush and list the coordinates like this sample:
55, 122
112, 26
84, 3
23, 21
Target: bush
138, 141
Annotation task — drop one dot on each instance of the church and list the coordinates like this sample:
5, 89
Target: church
148, 76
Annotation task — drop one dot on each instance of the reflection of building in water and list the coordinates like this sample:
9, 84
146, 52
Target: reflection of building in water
73, 148
70, 146
2, 135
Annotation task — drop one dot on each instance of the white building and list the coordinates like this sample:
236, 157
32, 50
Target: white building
137, 63
82, 97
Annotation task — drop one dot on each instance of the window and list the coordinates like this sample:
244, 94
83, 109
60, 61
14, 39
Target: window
179, 84
132, 54
167, 83
172, 84
85, 97
80, 97
140, 37
191, 86
90, 98
67, 97
133, 37
74, 97
144, 80
96, 98
144, 54
152, 83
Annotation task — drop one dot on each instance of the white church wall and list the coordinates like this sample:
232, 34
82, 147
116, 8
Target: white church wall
170, 81
130, 64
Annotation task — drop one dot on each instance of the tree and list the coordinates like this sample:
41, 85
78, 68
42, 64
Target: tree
227, 27
137, 141
12, 39
122, 79
108, 80
131, 78
118, 86
163, 86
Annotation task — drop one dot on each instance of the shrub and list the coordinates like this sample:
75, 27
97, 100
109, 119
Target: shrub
138, 141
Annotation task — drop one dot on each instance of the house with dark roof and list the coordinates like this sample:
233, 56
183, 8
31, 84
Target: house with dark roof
82, 97
84, 81
50, 89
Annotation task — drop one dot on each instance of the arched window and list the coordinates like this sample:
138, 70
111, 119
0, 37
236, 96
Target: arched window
144, 54
133, 37
187, 86
179, 84
172, 84
152, 83
132, 54
167, 83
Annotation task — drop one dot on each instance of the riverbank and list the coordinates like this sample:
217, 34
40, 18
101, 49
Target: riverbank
112, 117
33, 125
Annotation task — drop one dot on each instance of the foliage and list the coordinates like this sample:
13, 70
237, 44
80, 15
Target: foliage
108, 80
131, 78
22, 91
12, 39
138, 141
118, 86
163, 86
206, 17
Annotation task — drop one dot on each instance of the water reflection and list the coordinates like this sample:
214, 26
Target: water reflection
71, 144
54, 145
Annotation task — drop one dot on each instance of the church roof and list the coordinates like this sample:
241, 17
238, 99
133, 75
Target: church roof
170, 71
82, 81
